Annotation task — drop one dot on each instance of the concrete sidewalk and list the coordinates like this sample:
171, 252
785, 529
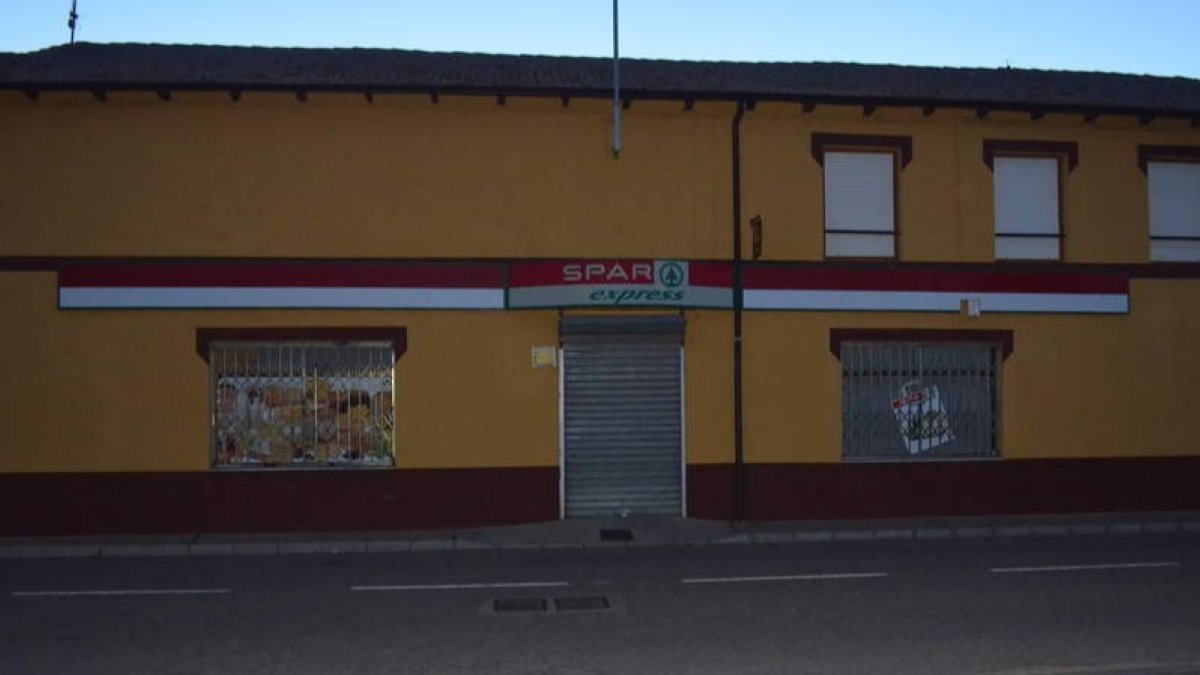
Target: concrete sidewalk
605, 533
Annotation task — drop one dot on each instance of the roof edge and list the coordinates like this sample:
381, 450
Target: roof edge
981, 105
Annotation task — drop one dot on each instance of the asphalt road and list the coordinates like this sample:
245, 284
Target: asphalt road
1031, 606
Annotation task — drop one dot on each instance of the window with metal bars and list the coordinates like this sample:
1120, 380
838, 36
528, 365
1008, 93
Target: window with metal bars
297, 404
918, 400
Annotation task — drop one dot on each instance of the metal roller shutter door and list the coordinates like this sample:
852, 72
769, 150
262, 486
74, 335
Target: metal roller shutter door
622, 417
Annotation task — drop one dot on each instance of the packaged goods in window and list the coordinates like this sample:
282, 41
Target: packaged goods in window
921, 413
288, 415
317, 393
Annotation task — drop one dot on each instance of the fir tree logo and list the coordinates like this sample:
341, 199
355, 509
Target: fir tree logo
671, 275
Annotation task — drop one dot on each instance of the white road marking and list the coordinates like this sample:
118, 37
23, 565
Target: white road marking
1104, 669
785, 577
131, 591
1081, 568
463, 587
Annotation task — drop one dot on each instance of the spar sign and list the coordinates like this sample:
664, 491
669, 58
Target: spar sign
618, 283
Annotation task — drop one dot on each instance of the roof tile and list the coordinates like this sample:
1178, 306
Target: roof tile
201, 66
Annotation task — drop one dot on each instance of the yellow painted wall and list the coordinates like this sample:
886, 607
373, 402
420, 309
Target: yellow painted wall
338, 177
126, 391
945, 194
406, 178
1074, 386
708, 378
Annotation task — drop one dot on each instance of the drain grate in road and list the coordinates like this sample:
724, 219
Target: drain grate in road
519, 605
591, 603
586, 603
616, 535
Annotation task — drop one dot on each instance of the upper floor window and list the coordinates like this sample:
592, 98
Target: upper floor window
860, 192
1173, 180
1028, 178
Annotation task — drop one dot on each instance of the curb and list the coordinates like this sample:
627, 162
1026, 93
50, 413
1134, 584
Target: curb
801, 536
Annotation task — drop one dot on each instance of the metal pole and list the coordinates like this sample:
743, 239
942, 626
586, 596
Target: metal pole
71, 19
739, 464
616, 146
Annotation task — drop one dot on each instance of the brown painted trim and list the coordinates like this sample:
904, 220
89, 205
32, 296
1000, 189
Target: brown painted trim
59, 504
20, 263
33, 87
1001, 147
31, 264
1167, 153
397, 335
1158, 270
823, 142
837, 336
1135, 271
961, 488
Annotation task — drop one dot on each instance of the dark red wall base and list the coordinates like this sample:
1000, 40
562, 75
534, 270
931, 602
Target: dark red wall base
314, 501
897, 490
284, 501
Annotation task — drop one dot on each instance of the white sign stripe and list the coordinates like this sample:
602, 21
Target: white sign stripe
785, 577
941, 301
1081, 568
1091, 303
463, 587
120, 592
74, 297
853, 300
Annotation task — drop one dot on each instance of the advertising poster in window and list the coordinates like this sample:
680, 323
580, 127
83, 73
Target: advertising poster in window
301, 407
921, 413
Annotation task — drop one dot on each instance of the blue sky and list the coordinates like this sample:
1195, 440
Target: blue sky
1134, 36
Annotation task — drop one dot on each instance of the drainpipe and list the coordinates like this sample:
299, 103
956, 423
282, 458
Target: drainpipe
616, 144
739, 466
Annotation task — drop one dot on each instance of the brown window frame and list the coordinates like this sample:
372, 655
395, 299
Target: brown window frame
1066, 152
1164, 154
837, 336
901, 149
396, 335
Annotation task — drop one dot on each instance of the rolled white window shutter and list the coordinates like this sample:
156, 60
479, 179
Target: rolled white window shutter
1174, 210
860, 206
1026, 203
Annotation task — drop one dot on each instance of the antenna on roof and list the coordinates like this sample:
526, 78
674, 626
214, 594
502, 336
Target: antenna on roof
71, 19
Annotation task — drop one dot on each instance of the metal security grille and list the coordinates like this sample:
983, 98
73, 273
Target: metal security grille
300, 405
919, 400
622, 422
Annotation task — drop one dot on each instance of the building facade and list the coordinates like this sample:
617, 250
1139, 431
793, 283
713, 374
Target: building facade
258, 289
